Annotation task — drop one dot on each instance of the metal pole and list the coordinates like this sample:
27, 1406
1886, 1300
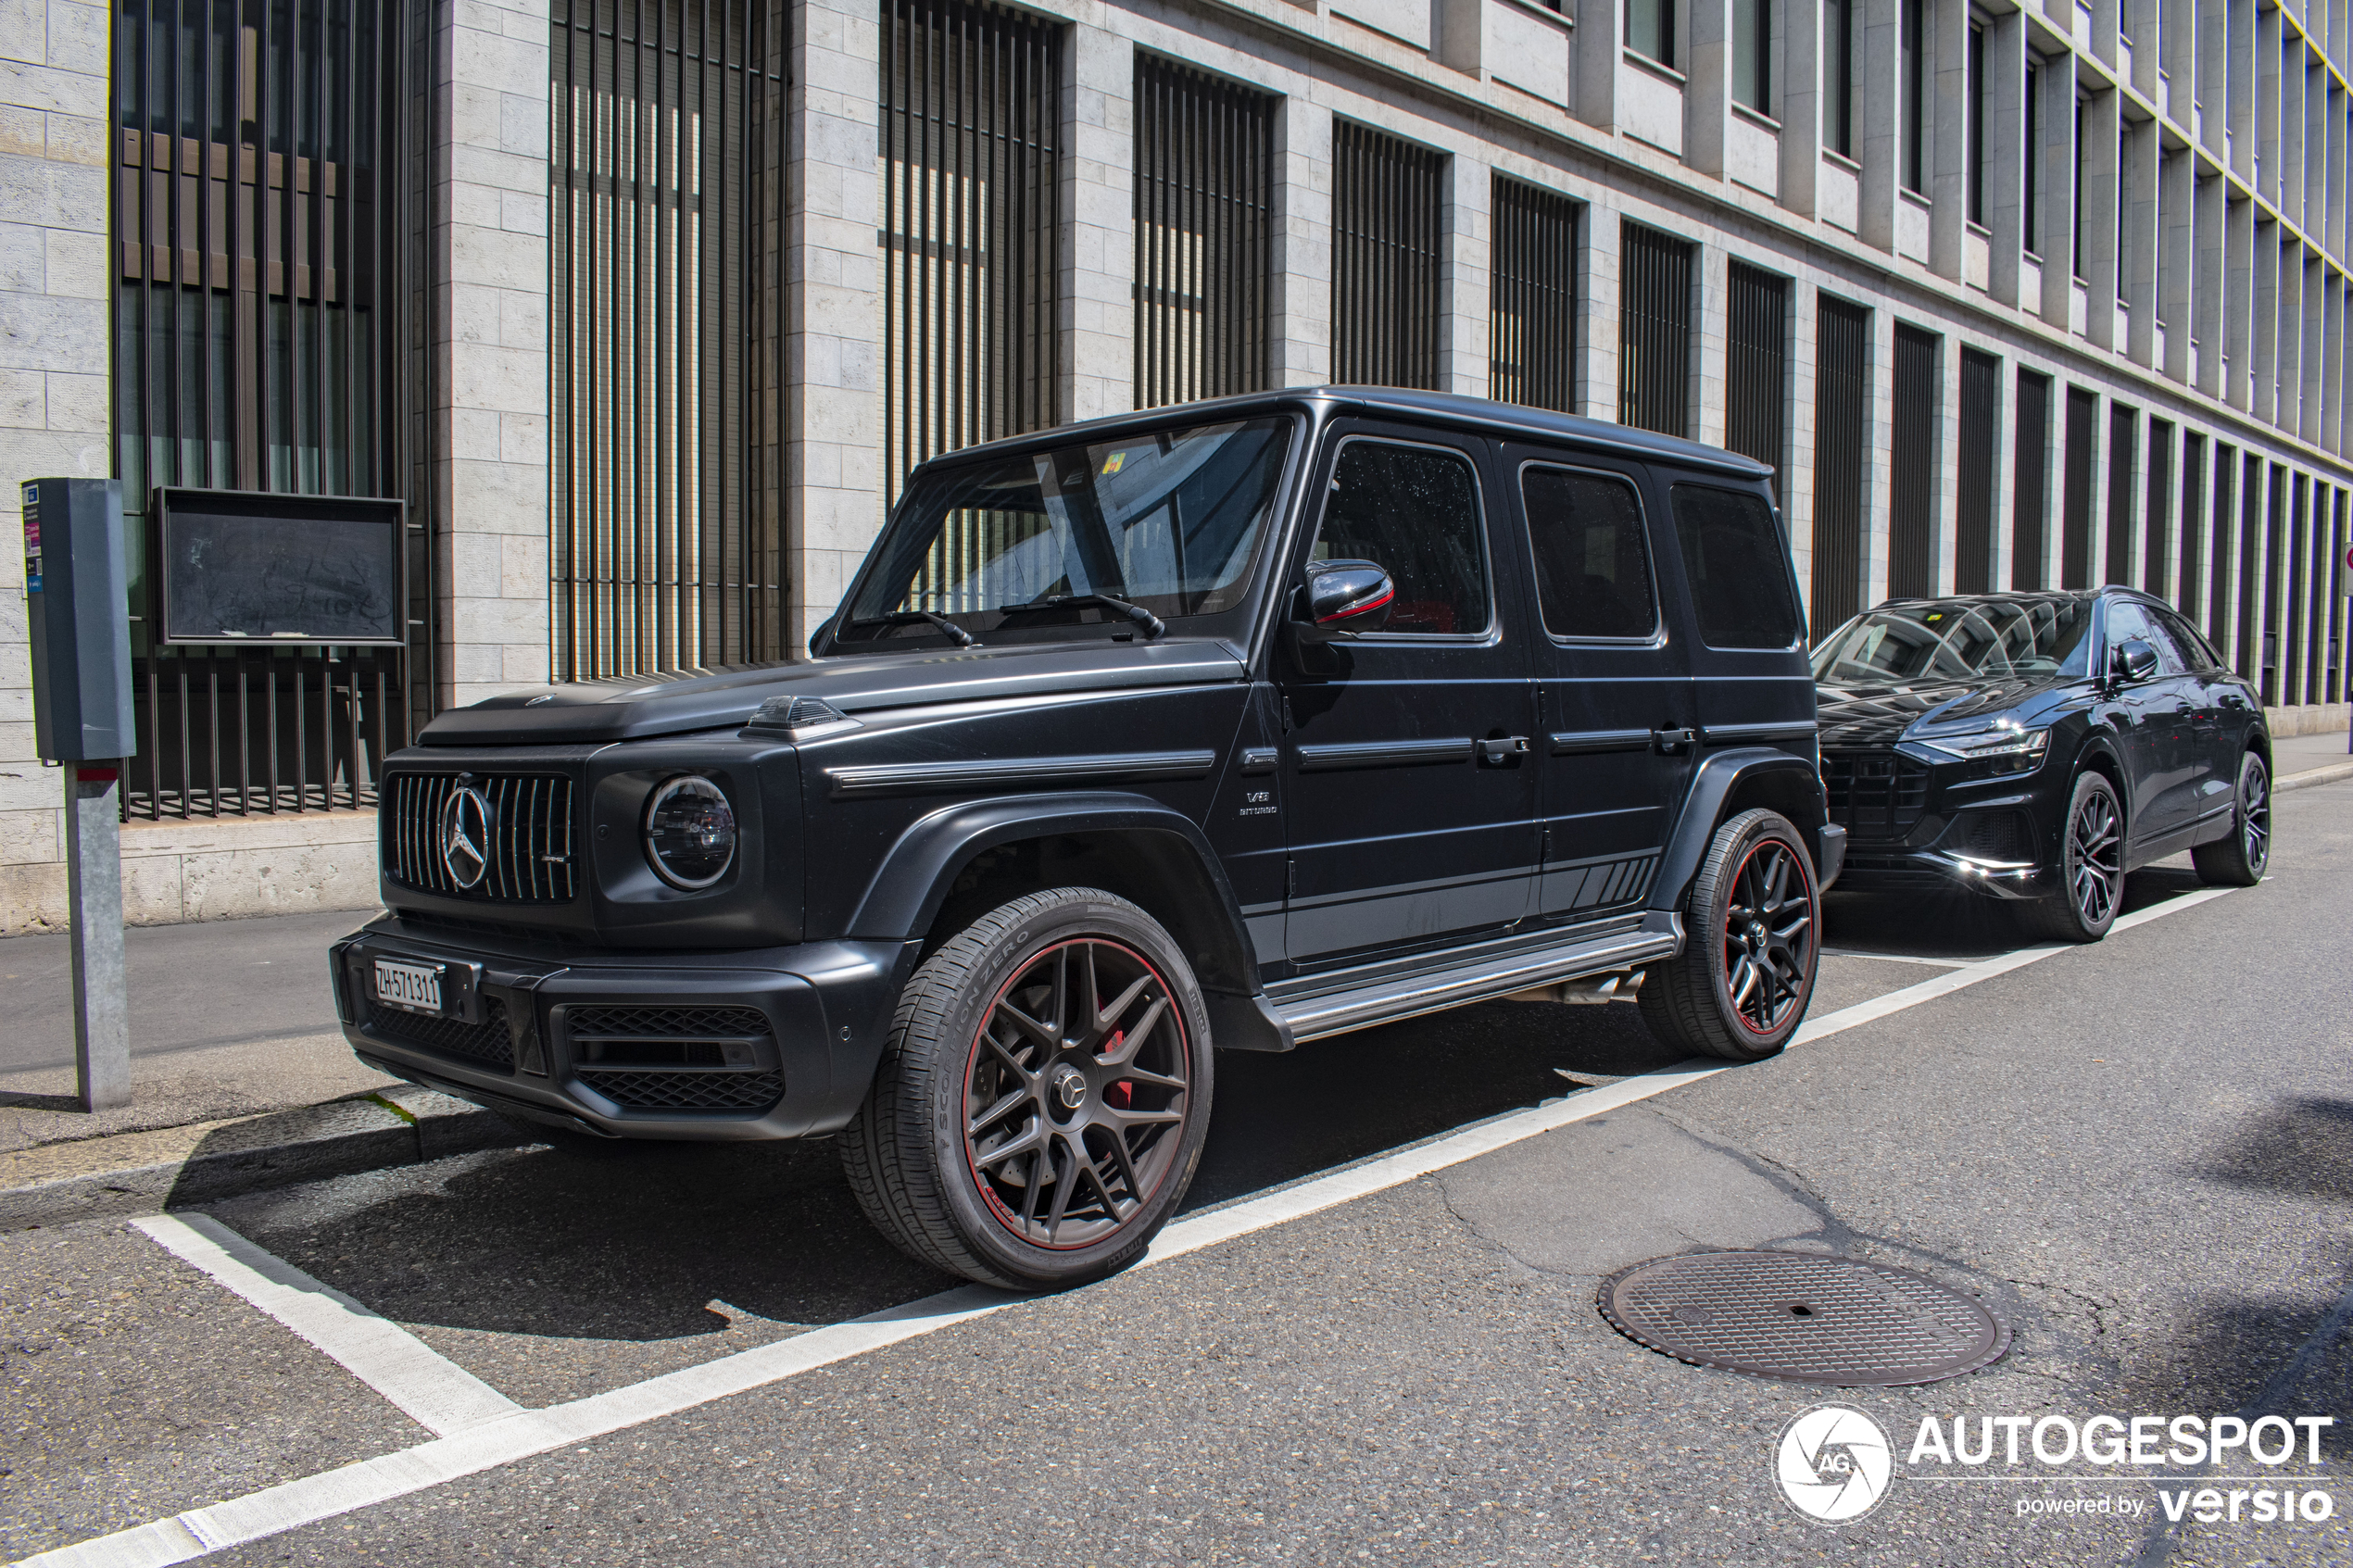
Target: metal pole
93, 893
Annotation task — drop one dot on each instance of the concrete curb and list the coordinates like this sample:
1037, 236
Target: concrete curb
144, 1172
2311, 776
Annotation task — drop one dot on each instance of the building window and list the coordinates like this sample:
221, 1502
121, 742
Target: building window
2157, 554
1973, 522
2075, 519
2218, 534
1654, 332
1753, 54
1756, 367
1385, 258
2029, 481
2077, 260
971, 117
2251, 557
1650, 29
2032, 173
1913, 70
2123, 456
1204, 198
1911, 546
1531, 334
1841, 411
1975, 106
665, 357
264, 245
2193, 525
1838, 42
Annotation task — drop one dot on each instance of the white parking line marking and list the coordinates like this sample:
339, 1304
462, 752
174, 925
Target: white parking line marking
1896, 958
435, 1392
517, 1436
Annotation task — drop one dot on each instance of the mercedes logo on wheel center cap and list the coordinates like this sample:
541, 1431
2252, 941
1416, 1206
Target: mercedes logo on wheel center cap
465, 837
1070, 1087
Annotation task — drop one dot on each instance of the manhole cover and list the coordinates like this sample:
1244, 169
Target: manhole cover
1804, 1317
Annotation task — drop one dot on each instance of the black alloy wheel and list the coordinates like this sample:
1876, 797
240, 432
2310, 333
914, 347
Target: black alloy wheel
2090, 868
1041, 1105
1752, 944
2238, 860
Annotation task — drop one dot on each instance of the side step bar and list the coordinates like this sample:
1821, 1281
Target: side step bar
1410, 995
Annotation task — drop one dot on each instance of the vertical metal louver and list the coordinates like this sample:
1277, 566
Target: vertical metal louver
1911, 544
1531, 334
1973, 511
2030, 483
2250, 512
2192, 527
2124, 456
1204, 234
2157, 552
2274, 525
1386, 195
1654, 331
263, 230
2294, 664
666, 180
971, 208
2335, 584
1757, 367
1841, 407
2075, 522
2219, 534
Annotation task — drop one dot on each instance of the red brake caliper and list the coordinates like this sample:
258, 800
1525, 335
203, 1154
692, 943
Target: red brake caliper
1122, 1095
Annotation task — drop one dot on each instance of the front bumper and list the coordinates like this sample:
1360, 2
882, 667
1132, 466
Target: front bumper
1880, 868
769, 1043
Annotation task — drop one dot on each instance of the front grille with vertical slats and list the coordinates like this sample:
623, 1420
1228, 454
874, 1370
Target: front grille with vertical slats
1874, 795
531, 854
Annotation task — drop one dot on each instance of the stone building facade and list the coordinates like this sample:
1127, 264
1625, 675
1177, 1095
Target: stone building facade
2054, 294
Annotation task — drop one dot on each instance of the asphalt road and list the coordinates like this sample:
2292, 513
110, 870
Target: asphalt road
2137, 1154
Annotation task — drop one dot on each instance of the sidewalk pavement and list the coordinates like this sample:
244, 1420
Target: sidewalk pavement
242, 1080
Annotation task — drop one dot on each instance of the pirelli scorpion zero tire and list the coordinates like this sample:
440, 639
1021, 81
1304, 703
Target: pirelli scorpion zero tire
1751, 941
1041, 1104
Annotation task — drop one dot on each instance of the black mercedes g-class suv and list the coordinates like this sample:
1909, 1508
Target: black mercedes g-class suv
1232, 725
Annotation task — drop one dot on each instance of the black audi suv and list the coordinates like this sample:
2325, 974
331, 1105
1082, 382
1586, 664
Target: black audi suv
2036, 747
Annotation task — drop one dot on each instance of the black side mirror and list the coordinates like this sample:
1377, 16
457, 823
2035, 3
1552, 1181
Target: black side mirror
2134, 660
1344, 598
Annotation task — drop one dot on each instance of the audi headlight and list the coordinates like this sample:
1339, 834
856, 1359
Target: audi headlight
2006, 743
691, 831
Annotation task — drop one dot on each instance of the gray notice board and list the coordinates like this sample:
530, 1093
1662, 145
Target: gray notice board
229, 566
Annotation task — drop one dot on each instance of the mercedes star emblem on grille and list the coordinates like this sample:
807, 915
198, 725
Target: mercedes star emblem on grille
465, 837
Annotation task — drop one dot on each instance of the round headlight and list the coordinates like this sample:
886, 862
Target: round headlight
691, 831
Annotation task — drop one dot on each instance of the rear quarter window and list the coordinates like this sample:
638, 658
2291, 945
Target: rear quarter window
1738, 570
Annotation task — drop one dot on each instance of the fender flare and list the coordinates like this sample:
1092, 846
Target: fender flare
1712, 784
911, 883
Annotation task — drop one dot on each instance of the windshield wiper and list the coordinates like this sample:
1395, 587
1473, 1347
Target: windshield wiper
954, 633
1152, 624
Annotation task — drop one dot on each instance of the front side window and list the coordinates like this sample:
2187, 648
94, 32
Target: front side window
1170, 520
1413, 512
1739, 575
2127, 620
1593, 566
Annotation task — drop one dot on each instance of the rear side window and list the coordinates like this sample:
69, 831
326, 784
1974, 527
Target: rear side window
2196, 649
1413, 512
1739, 576
1593, 567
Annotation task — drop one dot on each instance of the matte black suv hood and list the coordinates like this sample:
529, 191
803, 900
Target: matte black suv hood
640, 706
1878, 715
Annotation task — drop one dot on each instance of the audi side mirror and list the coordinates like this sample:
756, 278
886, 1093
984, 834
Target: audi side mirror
1344, 598
2134, 660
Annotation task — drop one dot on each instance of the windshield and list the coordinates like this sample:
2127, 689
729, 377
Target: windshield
1959, 640
1170, 520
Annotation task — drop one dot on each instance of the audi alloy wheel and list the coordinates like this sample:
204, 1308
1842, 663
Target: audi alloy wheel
2090, 868
2239, 858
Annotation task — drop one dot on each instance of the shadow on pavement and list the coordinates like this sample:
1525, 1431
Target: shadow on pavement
2302, 1146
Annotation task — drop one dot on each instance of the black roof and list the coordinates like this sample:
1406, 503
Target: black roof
1445, 408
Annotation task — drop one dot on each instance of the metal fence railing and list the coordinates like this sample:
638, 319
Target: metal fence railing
1757, 366
1912, 488
1205, 201
1973, 508
1842, 405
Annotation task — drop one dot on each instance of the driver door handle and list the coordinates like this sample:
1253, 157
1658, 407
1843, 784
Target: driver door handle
1672, 741
1499, 753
